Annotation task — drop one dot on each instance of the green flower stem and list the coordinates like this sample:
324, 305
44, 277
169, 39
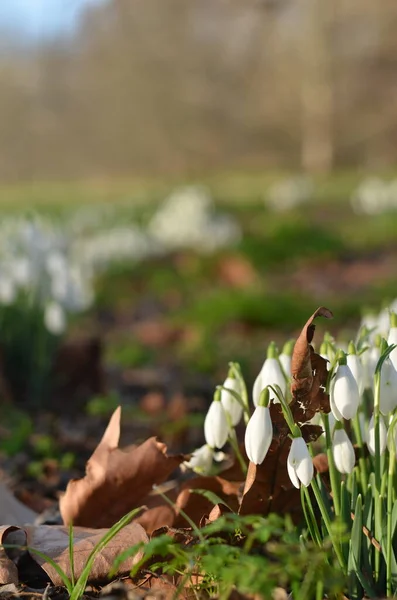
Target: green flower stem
313, 522
234, 444
236, 369
328, 524
362, 460
390, 503
389, 538
378, 533
333, 473
377, 456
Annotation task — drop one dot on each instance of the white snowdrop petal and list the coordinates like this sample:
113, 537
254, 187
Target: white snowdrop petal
270, 374
292, 474
216, 430
356, 367
370, 437
392, 339
258, 435
343, 452
388, 387
344, 392
229, 402
299, 463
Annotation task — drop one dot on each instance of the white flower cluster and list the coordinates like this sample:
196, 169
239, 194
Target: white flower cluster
354, 378
374, 196
187, 219
53, 262
289, 193
34, 265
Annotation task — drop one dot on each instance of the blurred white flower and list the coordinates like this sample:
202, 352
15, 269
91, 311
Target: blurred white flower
258, 435
370, 437
392, 339
343, 451
7, 290
299, 463
216, 428
201, 460
54, 318
229, 402
388, 387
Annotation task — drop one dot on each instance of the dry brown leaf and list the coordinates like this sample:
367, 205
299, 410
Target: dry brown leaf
13, 512
116, 480
309, 373
8, 570
53, 541
196, 505
268, 487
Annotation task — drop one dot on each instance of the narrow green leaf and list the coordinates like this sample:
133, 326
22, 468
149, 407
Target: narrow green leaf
354, 561
71, 554
384, 356
211, 496
78, 589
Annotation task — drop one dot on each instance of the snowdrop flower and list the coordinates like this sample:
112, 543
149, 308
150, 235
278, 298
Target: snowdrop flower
7, 290
356, 367
54, 318
370, 437
392, 338
201, 460
270, 374
343, 451
369, 361
216, 429
299, 463
344, 397
229, 402
388, 387
286, 357
259, 431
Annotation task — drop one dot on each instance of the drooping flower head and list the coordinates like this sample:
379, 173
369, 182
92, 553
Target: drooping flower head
259, 431
270, 374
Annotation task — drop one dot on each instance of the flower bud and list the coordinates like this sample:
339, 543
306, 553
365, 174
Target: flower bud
344, 394
270, 374
299, 463
229, 402
343, 451
258, 435
216, 428
392, 338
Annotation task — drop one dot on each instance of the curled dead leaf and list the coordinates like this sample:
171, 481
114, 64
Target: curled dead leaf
116, 480
309, 373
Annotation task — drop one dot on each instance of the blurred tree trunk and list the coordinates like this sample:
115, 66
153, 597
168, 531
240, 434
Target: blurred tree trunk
317, 102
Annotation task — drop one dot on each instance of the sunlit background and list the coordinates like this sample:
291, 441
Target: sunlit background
182, 181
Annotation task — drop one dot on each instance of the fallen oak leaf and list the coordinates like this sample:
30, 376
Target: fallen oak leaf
116, 480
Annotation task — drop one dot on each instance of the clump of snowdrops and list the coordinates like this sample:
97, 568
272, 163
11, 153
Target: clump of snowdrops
357, 501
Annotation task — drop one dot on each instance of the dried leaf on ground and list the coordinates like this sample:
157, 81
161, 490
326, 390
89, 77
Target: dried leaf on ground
53, 541
268, 487
309, 373
8, 570
116, 480
13, 512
